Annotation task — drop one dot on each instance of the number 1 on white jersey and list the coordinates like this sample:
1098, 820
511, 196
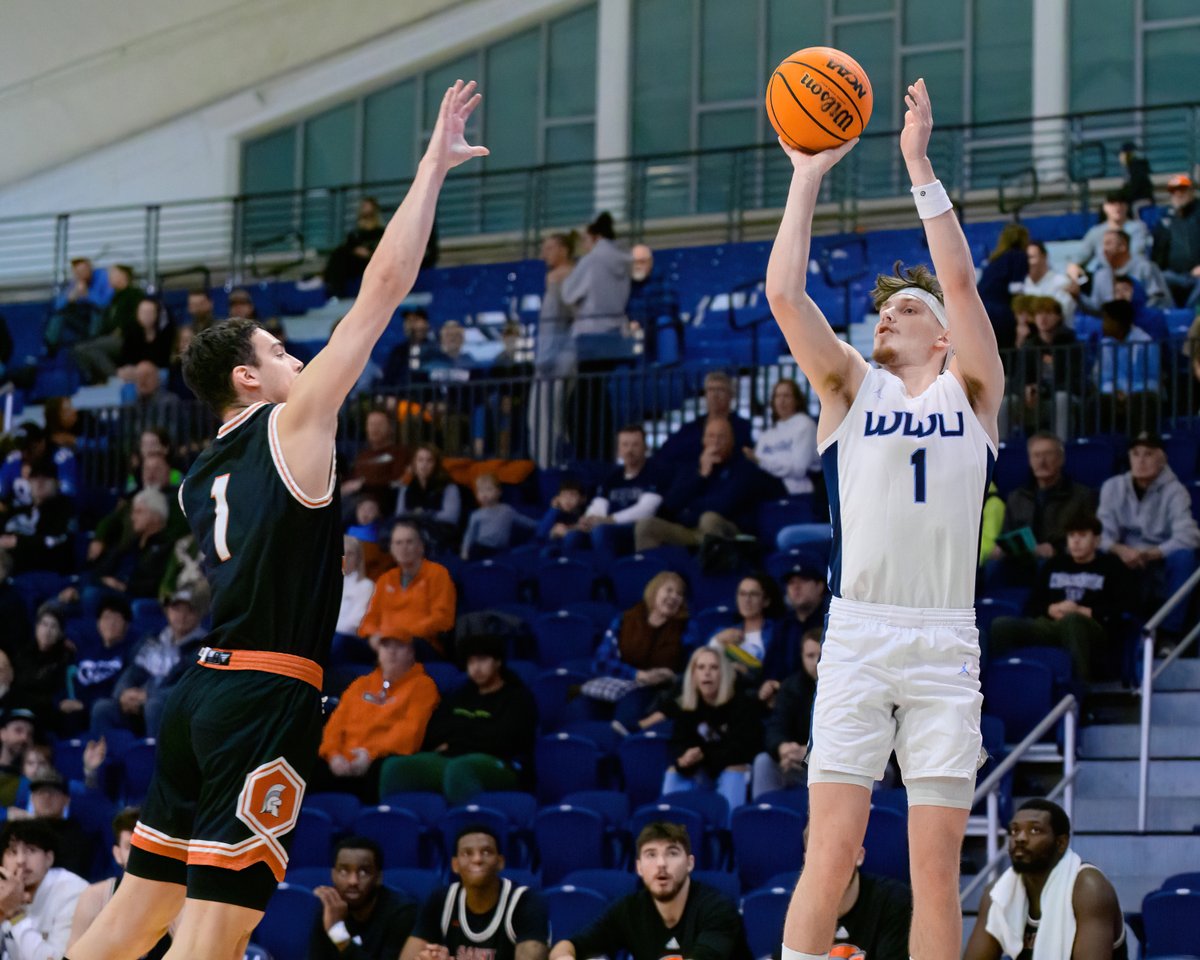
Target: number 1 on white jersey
221, 528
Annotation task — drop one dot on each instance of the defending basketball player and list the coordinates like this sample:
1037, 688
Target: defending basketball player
239, 737
907, 447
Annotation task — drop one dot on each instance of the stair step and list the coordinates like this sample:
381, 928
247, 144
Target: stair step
1119, 779
1167, 814
1175, 707
1152, 858
1122, 741
1182, 674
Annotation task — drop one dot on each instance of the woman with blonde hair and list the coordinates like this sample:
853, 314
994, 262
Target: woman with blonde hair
717, 732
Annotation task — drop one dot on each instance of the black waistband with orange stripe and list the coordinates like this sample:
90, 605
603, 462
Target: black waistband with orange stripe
265, 661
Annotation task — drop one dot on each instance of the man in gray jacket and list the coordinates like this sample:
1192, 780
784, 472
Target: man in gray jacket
1148, 523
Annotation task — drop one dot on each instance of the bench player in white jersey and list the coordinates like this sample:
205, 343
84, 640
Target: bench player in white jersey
907, 446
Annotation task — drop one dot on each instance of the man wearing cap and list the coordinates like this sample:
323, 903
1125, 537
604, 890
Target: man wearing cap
50, 798
37, 897
1146, 517
16, 734
1177, 242
807, 601
241, 305
157, 666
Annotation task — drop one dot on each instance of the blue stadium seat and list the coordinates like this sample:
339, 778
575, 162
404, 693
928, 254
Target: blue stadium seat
1169, 921
287, 925
68, 758
255, 952
1012, 467
763, 912
522, 877
568, 838
987, 609
793, 798
472, 814
611, 884
1190, 880
629, 576
763, 839
1090, 460
1019, 692
418, 883
1057, 660
572, 908
526, 670
552, 691
562, 582
308, 877
518, 806
707, 622
712, 806
612, 805
341, 807
138, 770
312, 839
427, 806
600, 612
886, 843
564, 764
644, 759
726, 883
774, 515
563, 636
398, 832
487, 584
446, 676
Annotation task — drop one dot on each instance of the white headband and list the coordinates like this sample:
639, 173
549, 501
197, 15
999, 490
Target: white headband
927, 298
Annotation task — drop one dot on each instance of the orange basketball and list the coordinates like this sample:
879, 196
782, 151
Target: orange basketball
819, 98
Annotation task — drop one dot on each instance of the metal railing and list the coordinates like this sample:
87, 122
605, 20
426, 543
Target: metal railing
715, 193
989, 790
1149, 675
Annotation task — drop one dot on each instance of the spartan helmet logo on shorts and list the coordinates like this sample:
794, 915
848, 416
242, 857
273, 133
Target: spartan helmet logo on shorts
273, 800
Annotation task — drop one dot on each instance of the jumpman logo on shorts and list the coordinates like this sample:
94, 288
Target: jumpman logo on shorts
964, 672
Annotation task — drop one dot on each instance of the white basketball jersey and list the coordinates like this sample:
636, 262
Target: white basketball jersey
907, 478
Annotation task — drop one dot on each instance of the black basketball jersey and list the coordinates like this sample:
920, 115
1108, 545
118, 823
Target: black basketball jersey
272, 555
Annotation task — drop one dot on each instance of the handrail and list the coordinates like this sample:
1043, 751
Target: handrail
991, 785
1149, 675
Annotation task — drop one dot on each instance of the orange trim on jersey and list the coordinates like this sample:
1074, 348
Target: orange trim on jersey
285, 473
266, 661
159, 843
239, 861
230, 425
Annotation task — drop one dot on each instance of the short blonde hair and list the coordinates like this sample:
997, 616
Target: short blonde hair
656, 583
919, 276
690, 698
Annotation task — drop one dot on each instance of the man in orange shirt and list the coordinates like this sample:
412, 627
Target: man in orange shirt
415, 600
383, 714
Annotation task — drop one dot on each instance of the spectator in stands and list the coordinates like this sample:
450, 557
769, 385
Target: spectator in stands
95, 671
1036, 512
383, 714
874, 915
380, 464
554, 355
407, 357
1177, 242
653, 303
1047, 366
49, 797
1138, 186
14, 613
39, 536
344, 269
63, 423
642, 651
96, 356
1153, 320
631, 492
157, 665
717, 732
1147, 521
448, 361
1114, 215
788, 448
1127, 371
114, 531
1076, 605
479, 738
136, 564
714, 498
152, 442
565, 511
348, 646
360, 917
482, 914
41, 670
17, 727
671, 916
33, 446
491, 526
806, 601
781, 764
1003, 276
1119, 262
200, 310
37, 898
415, 600
241, 305
77, 309
149, 339
1041, 281
686, 444
153, 404
745, 644
431, 500
597, 289
1047, 888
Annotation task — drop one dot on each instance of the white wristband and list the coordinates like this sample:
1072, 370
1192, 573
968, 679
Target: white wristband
932, 200
338, 933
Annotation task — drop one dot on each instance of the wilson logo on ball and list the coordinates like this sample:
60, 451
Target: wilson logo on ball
819, 98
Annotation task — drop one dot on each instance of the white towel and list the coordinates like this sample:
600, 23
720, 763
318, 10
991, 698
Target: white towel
1009, 911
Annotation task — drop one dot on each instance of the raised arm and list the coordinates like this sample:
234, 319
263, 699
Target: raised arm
833, 367
308, 423
976, 360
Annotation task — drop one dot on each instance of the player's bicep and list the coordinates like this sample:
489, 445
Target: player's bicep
976, 352
830, 364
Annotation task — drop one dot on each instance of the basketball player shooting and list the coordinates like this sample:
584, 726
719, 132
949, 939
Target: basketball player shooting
907, 447
238, 739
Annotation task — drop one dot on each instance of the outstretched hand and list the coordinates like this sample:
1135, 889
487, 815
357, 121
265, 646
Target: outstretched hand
918, 122
448, 145
819, 163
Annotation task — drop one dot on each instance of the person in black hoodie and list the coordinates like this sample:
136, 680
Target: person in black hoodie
479, 738
1176, 246
39, 536
1076, 605
431, 499
42, 669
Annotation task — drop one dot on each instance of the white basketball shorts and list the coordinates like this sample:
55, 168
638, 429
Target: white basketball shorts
903, 679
